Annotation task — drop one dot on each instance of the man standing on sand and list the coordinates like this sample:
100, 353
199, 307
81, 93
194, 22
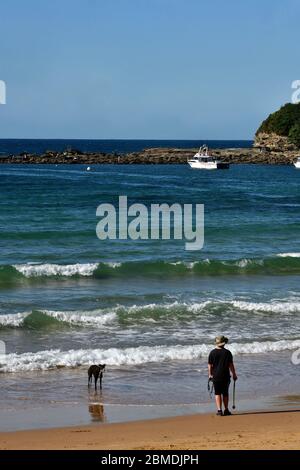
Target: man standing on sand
220, 364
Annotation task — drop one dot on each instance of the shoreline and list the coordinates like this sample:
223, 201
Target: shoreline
141, 392
251, 430
154, 156
96, 411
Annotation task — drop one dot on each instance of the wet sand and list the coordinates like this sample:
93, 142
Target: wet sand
253, 430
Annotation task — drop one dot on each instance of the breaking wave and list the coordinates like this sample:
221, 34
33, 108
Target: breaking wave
146, 314
283, 263
47, 318
289, 255
52, 359
46, 270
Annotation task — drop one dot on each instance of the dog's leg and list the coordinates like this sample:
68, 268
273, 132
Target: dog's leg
89, 380
101, 375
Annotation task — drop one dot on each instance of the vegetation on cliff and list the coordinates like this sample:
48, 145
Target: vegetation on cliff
284, 122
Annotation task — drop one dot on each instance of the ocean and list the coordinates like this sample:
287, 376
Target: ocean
38, 146
149, 309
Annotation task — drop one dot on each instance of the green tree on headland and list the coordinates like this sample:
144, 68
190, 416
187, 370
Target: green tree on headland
285, 122
294, 134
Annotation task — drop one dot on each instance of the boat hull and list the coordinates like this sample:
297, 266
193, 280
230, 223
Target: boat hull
209, 166
222, 166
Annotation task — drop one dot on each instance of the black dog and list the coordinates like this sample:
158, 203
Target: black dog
96, 371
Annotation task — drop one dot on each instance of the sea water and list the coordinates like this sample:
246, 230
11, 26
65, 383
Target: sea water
149, 309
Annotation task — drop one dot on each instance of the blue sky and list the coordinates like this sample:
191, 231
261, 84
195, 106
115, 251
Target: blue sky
165, 69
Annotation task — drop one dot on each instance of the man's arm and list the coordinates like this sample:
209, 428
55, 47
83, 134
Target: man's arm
210, 368
232, 370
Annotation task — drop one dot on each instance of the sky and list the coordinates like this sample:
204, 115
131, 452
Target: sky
145, 69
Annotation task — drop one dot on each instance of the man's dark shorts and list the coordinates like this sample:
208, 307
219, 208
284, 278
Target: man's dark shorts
221, 387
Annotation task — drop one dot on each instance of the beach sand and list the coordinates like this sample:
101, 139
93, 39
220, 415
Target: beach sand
253, 430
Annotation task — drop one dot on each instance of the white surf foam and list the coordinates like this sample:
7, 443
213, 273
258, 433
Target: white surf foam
113, 264
51, 359
288, 306
243, 263
36, 270
289, 255
13, 319
284, 306
95, 317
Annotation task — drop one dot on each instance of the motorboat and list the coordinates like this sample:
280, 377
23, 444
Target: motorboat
297, 163
203, 161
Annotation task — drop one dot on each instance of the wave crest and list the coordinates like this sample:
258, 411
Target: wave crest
46, 318
51, 359
283, 263
147, 314
40, 270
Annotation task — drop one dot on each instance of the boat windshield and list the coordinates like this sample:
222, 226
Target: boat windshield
206, 159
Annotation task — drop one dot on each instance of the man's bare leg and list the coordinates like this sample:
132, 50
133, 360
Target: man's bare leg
226, 402
219, 402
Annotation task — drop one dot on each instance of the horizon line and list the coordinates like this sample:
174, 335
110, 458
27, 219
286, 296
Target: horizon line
120, 139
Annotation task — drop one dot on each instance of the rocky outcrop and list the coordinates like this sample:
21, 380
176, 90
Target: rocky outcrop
278, 148
263, 154
273, 143
279, 133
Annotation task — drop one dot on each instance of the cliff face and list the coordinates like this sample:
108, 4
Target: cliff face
278, 149
273, 143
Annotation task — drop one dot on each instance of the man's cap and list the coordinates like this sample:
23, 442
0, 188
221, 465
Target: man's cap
221, 340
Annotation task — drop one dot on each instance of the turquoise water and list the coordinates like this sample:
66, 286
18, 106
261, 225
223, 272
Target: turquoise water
149, 309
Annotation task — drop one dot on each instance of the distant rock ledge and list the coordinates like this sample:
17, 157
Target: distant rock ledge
261, 153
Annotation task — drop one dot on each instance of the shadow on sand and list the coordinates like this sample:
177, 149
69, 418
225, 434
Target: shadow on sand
266, 412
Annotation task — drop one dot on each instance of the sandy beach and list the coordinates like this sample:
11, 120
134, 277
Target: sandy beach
256, 430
